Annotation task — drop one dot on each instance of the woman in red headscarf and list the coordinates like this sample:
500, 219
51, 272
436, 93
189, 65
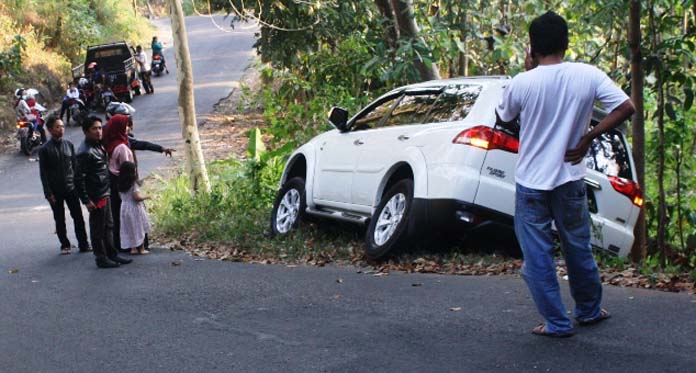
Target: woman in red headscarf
116, 144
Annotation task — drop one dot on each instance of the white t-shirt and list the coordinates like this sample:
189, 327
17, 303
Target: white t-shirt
72, 93
141, 58
554, 103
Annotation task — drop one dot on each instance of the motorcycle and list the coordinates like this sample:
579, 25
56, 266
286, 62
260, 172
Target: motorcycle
30, 130
106, 97
157, 65
77, 111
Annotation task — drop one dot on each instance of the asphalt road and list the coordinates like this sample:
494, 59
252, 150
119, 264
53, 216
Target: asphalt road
170, 312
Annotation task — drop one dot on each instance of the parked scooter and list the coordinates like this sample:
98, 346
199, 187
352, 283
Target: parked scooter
157, 65
77, 111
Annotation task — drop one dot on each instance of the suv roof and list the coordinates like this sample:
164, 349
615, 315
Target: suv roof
462, 79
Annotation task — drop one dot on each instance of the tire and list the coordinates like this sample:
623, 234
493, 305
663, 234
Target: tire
384, 235
24, 141
288, 207
128, 98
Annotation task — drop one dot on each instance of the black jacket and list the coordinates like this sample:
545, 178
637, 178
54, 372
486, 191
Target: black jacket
57, 164
135, 144
92, 176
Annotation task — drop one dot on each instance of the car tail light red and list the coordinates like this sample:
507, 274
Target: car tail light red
629, 188
487, 138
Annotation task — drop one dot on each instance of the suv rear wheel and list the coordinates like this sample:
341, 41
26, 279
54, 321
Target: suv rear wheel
288, 207
388, 227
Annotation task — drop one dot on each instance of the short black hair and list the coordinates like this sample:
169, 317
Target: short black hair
128, 175
50, 121
548, 34
87, 123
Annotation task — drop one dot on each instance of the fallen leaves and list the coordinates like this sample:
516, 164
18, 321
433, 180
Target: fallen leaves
177, 263
455, 309
12, 271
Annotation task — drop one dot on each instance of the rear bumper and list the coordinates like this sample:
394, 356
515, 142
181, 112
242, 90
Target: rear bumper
459, 216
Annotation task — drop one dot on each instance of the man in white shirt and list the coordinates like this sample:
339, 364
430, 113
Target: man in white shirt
144, 64
553, 100
70, 95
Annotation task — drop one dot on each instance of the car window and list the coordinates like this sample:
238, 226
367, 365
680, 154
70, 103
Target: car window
412, 109
454, 103
609, 155
372, 118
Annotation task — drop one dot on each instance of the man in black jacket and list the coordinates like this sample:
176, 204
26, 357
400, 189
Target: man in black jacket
57, 165
92, 179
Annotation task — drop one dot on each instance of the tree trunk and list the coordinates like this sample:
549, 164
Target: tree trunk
639, 249
464, 56
195, 164
403, 9
660, 115
391, 32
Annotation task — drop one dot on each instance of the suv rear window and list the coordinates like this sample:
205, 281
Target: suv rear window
609, 155
454, 103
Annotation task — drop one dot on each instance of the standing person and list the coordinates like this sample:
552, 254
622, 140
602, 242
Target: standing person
554, 102
145, 73
135, 224
57, 164
92, 180
116, 144
157, 51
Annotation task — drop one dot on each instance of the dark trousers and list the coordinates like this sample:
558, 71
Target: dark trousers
76, 213
145, 76
101, 231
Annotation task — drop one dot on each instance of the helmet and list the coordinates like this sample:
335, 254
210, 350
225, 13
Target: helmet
82, 82
92, 65
19, 92
31, 93
119, 108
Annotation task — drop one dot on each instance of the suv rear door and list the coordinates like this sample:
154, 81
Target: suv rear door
608, 162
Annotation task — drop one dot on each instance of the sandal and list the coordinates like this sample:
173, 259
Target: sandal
64, 251
541, 330
603, 315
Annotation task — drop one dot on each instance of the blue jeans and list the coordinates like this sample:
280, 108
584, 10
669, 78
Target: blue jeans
566, 205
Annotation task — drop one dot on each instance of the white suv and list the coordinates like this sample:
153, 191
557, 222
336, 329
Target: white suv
430, 155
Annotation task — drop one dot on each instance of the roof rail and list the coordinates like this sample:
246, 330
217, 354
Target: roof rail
502, 77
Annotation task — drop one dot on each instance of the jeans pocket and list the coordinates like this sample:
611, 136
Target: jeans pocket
531, 206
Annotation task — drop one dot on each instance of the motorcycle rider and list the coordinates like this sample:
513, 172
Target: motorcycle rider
71, 95
144, 70
23, 105
157, 51
92, 182
57, 164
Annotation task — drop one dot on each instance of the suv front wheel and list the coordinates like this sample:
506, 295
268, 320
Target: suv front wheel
388, 227
288, 207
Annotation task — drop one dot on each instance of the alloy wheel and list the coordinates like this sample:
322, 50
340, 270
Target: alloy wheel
389, 218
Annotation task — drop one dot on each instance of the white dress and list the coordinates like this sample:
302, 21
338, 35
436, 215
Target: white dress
134, 220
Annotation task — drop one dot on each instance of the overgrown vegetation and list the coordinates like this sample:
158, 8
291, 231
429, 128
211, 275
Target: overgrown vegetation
41, 40
345, 53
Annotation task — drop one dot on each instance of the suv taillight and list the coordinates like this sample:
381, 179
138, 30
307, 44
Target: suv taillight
629, 188
487, 138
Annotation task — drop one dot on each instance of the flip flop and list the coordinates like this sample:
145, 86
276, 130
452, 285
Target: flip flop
541, 330
65, 251
603, 315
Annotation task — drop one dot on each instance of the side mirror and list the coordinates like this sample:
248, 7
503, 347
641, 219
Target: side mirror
339, 118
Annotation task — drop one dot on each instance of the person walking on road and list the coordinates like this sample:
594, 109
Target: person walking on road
135, 224
554, 100
92, 179
144, 70
57, 165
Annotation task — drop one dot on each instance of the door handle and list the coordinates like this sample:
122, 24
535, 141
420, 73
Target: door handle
593, 183
403, 137
358, 142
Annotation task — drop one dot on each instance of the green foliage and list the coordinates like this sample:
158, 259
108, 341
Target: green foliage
11, 60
